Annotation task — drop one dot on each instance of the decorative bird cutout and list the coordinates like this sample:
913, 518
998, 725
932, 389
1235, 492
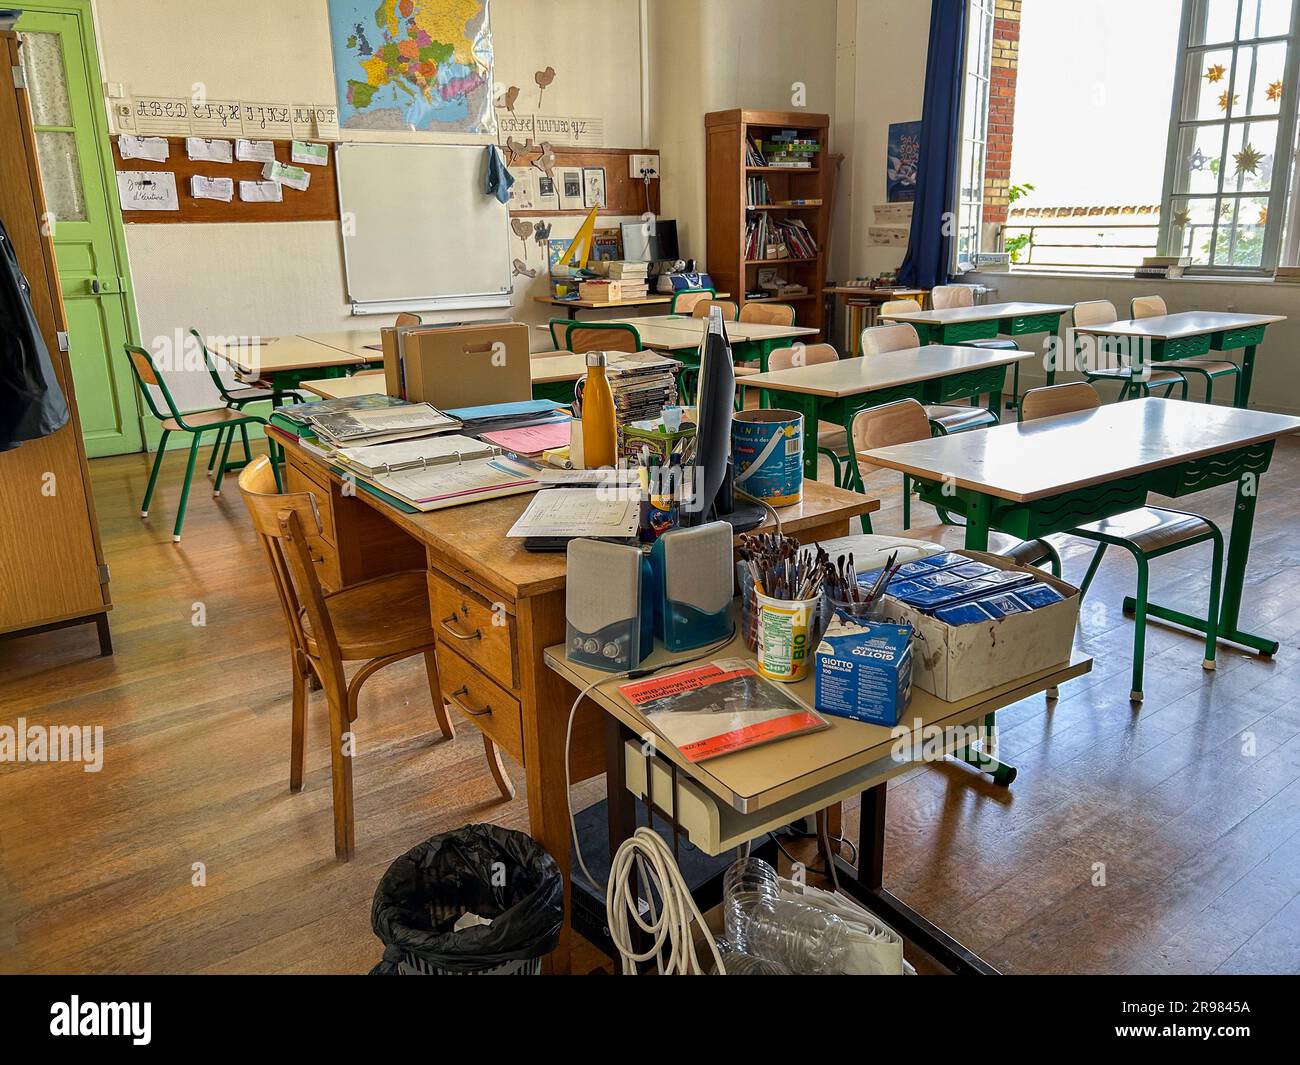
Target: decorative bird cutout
543, 79
522, 227
522, 270
512, 94
1215, 73
542, 233
525, 154
546, 162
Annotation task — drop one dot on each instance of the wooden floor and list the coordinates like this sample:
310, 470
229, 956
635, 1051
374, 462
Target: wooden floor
1159, 838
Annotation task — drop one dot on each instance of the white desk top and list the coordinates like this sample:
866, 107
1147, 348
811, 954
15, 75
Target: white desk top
273, 354
1183, 324
735, 330
852, 377
368, 384
1031, 460
363, 343
986, 313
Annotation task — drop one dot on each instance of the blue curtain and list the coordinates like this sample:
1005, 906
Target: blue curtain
929, 248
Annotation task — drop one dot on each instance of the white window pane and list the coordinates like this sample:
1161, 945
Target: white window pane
1214, 21
47, 81
1205, 89
1191, 228
1265, 18
1197, 166
61, 175
1248, 166
1262, 94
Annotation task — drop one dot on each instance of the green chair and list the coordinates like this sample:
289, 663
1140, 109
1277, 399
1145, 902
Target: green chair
581, 337
684, 300
1102, 312
236, 399
1145, 532
148, 378
1205, 368
558, 328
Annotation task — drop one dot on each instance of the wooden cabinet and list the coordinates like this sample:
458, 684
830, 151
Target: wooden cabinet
52, 569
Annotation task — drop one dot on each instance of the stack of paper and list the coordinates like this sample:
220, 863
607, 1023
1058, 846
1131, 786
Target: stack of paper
380, 459
453, 483
356, 427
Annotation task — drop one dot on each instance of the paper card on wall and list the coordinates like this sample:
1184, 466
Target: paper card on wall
152, 148
255, 151
523, 193
162, 115
548, 198
268, 120
569, 129
293, 176
260, 191
311, 154
319, 121
217, 118
147, 190
212, 188
200, 149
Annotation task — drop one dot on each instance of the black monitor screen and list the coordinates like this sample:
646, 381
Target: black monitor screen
650, 241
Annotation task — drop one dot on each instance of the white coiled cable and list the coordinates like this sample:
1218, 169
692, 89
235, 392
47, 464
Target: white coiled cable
648, 854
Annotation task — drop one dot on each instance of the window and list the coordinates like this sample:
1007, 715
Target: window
1099, 132
1233, 121
976, 77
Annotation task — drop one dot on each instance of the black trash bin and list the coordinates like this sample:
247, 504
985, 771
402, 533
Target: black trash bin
499, 874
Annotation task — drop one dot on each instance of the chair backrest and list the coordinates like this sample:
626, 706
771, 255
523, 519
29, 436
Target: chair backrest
881, 338
581, 337
945, 297
407, 318
209, 360
1058, 399
728, 307
684, 301
1147, 307
148, 378
893, 423
1095, 312
898, 307
283, 523
768, 313
558, 327
800, 355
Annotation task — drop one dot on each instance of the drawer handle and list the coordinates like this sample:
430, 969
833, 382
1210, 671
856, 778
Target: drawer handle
463, 690
446, 623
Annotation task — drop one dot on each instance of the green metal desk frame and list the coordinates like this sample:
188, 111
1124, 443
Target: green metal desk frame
1225, 340
1017, 325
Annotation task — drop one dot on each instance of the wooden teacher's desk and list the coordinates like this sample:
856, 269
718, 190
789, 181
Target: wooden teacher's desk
496, 608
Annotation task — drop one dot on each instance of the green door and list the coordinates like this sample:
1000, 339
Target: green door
89, 247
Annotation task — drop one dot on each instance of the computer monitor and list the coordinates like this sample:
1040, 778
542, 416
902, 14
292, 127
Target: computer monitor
648, 242
714, 491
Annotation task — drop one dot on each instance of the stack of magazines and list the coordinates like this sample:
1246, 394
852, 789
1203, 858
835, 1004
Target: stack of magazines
351, 428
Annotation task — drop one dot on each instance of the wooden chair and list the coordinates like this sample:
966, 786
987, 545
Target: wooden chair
236, 399
1145, 532
945, 418
768, 313
899, 307
1202, 366
1102, 312
582, 337
684, 301
407, 318
946, 297
730, 312
832, 439
169, 416
904, 422
379, 621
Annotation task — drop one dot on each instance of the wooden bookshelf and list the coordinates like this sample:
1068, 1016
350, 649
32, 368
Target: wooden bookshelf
728, 208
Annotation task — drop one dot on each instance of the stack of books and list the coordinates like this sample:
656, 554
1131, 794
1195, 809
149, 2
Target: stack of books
613, 290
789, 150
642, 383
753, 154
759, 192
1160, 267
777, 239
352, 428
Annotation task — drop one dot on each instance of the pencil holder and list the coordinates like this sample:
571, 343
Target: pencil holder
785, 636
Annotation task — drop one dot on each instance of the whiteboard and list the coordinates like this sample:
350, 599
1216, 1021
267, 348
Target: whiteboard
419, 232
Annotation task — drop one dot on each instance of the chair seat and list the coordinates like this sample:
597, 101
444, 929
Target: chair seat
1213, 367
1154, 377
202, 419
1149, 528
745, 369
261, 390
1021, 552
832, 437
999, 344
382, 616
952, 418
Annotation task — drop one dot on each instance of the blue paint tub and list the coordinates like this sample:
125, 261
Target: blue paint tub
767, 449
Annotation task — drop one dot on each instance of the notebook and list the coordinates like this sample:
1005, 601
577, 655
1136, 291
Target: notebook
531, 439
426, 451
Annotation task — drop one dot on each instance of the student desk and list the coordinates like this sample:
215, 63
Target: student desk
958, 324
346, 387
571, 307
836, 391
1194, 333
1048, 476
363, 343
286, 360
681, 335
727, 801
496, 608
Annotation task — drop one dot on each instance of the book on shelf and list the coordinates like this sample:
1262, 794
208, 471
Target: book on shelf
767, 238
753, 155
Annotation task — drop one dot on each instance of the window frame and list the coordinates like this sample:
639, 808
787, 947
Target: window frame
976, 12
1189, 52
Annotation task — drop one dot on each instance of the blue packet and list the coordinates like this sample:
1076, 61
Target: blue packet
900, 590
971, 569
1036, 595
944, 578
944, 560
1001, 606
963, 614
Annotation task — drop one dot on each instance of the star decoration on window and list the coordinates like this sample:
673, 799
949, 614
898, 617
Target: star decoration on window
1263, 216
1247, 160
1223, 101
1198, 160
1274, 91
1215, 73
1182, 218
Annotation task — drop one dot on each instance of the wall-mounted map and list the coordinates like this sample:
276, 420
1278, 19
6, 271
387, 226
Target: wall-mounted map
421, 65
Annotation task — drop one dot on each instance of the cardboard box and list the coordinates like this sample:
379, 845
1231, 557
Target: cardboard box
458, 366
953, 662
865, 675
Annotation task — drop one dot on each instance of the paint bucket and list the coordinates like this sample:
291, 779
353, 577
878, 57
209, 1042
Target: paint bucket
785, 636
767, 449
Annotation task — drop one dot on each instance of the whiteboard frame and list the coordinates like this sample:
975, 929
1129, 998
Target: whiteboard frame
450, 302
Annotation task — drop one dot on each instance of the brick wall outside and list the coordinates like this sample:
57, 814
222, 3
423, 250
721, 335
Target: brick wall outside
1002, 109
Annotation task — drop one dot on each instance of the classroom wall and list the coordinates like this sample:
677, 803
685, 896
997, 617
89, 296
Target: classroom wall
288, 277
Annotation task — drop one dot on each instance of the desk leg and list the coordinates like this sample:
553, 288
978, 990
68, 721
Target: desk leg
1243, 379
809, 407
866, 884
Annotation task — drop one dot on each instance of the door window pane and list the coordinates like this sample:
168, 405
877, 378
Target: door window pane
47, 81
61, 175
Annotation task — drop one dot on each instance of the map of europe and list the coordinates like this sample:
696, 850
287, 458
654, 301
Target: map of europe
413, 64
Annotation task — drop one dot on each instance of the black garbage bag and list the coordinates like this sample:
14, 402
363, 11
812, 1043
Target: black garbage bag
499, 874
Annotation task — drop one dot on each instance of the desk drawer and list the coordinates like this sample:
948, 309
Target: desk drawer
466, 621
485, 703
326, 557
297, 480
